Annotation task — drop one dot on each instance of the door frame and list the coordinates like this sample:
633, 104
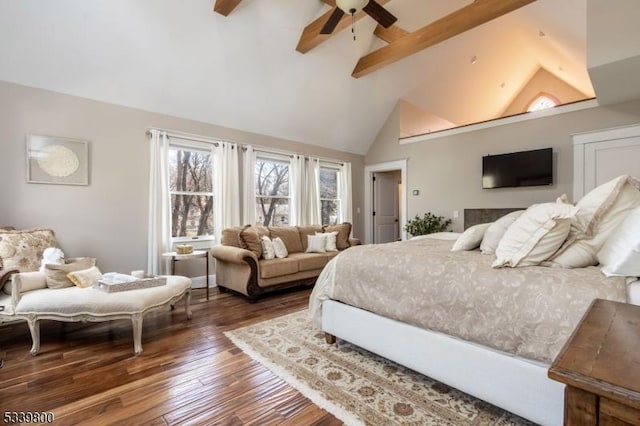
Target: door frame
369, 170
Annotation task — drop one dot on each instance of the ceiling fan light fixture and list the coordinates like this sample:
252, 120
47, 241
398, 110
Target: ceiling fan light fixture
351, 6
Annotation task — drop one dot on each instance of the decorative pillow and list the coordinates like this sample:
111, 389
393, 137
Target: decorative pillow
471, 238
231, 236
279, 248
330, 240
289, 235
535, 236
600, 212
27, 281
251, 238
86, 277
620, 254
22, 249
268, 252
342, 239
56, 275
316, 243
496, 230
306, 231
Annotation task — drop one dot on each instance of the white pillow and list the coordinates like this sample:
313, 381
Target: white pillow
535, 236
268, 251
316, 243
27, 281
496, 230
279, 248
471, 238
620, 255
330, 243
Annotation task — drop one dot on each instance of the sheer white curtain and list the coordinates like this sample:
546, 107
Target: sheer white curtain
159, 237
227, 188
249, 186
345, 193
298, 190
314, 216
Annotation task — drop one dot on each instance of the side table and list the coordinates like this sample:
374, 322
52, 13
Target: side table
175, 257
600, 364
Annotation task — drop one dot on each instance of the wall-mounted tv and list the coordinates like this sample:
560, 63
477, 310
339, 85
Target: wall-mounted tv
525, 168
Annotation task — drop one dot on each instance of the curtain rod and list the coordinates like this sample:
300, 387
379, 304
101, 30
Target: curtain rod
291, 154
185, 136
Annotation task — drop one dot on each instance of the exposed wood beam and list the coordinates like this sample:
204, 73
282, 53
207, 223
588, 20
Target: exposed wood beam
471, 16
311, 36
225, 7
390, 34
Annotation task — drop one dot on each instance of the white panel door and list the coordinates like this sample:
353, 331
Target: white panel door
386, 215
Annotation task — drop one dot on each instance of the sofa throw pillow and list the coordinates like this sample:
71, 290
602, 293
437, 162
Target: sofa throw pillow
535, 236
316, 243
56, 275
289, 235
620, 254
251, 238
306, 231
231, 236
496, 230
471, 238
279, 248
22, 249
268, 251
330, 240
85, 277
344, 231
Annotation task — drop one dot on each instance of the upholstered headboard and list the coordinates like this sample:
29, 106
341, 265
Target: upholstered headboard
476, 216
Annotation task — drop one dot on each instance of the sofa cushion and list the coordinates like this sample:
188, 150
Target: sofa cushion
22, 249
278, 267
289, 235
251, 238
342, 239
310, 261
231, 236
305, 231
56, 275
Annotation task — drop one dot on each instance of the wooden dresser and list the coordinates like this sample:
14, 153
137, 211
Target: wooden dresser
600, 364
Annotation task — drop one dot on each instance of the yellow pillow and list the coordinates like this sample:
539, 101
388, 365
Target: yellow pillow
86, 277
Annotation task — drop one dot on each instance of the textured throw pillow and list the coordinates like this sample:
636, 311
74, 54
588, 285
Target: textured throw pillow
27, 281
251, 238
22, 249
289, 235
344, 231
85, 277
330, 240
496, 230
535, 236
316, 243
305, 231
56, 275
268, 252
231, 236
279, 248
620, 254
471, 238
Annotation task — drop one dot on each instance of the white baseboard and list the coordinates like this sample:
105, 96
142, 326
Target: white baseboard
201, 282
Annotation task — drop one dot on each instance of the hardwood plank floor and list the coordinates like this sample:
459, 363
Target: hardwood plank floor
189, 371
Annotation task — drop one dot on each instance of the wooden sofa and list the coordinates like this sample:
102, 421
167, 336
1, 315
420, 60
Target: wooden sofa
240, 266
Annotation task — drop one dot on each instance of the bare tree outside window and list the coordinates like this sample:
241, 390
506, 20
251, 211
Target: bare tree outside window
191, 190
329, 197
272, 192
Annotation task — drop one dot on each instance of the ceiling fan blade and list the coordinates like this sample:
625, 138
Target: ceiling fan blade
379, 13
333, 21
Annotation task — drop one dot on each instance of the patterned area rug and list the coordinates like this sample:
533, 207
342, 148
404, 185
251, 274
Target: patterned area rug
356, 386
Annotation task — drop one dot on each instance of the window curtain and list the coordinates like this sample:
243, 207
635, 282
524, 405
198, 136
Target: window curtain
249, 185
226, 188
314, 216
345, 193
159, 237
298, 190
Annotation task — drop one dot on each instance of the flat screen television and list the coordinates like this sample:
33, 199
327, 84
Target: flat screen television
525, 168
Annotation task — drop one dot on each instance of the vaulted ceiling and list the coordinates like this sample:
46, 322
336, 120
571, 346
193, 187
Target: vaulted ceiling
245, 70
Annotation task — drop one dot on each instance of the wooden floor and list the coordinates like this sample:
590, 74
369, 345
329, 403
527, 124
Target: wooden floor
189, 371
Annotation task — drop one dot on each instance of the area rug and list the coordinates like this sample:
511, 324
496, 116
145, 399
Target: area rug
356, 386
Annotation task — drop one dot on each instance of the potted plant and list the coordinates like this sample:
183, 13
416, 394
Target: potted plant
428, 224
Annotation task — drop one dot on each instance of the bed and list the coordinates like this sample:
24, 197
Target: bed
500, 358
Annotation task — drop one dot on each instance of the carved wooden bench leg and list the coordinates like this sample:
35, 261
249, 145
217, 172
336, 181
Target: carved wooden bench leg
330, 338
34, 328
136, 322
187, 304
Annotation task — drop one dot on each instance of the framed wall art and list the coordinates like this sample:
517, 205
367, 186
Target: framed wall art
55, 160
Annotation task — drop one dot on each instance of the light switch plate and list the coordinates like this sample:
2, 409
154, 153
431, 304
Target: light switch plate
416, 192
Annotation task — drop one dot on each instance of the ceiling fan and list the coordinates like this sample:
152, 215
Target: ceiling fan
370, 7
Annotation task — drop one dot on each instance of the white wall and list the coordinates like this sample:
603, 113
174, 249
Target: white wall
108, 218
448, 170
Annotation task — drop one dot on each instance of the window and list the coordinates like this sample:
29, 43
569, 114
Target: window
543, 101
329, 195
272, 191
191, 191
